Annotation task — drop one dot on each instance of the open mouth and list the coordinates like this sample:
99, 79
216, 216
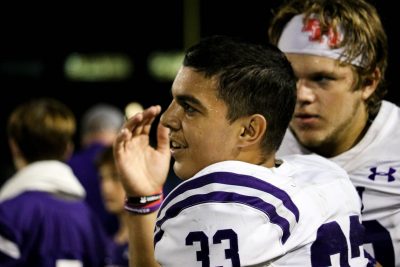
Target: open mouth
175, 145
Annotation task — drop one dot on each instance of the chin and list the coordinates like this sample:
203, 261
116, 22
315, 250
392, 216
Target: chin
181, 172
312, 143
110, 207
308, 138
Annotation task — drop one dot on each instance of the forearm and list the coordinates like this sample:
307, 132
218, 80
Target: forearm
141, 244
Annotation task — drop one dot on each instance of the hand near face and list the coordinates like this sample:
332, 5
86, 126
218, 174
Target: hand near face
143, 169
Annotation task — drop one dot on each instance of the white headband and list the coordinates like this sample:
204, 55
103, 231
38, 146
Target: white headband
308, 39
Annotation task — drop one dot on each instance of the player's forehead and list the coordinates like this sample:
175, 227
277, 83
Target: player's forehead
194, 86
305, 64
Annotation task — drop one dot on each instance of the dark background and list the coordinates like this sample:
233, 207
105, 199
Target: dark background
47, 34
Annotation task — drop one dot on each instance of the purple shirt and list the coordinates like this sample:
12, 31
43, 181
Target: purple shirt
83, 165
48, 229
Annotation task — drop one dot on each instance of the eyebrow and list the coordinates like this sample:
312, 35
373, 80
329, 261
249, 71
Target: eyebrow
323, 73
189, 99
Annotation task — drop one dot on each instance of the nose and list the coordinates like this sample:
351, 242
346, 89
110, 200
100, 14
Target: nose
170, 117
305, 94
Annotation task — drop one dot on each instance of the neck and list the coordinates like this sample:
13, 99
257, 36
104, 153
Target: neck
262, 159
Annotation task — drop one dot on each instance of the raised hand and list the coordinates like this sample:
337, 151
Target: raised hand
143, 168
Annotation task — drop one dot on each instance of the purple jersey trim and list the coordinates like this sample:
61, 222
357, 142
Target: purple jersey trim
229, 178
229, 197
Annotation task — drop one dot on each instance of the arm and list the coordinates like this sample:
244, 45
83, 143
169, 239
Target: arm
143, 171
141, 247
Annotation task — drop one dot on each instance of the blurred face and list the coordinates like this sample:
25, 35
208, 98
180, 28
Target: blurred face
111, 188
329, 116
200, 134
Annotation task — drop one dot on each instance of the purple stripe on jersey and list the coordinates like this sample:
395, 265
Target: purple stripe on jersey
229, 178
229, 197
158, 236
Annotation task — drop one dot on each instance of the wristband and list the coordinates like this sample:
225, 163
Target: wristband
143, 205
144, 200
143, 210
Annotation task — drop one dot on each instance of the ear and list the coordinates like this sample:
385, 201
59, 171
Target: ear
15, 152
371, 83
18, 158
252, 130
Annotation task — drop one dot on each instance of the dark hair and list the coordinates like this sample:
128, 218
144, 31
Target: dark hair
252, 79
42, 129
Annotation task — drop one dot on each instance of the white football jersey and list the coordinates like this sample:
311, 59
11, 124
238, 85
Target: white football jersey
374, 168
305, 212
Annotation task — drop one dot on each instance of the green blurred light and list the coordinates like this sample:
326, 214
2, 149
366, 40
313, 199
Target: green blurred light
163, 66
98, 67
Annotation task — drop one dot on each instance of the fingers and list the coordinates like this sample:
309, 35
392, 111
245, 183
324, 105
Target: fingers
136, 125
147, 125
141, 122
119, 143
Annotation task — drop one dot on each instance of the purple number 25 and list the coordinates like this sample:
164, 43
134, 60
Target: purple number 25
331, 240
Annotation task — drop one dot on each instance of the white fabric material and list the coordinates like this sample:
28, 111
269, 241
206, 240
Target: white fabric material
48, 176
320, 190
296, 40
372, 164
69, 263
9, 248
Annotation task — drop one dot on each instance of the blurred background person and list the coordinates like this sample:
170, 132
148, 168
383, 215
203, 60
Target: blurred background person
43, 218
99, 126
114, 200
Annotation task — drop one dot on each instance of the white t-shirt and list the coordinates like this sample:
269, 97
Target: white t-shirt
374, 168
305, 212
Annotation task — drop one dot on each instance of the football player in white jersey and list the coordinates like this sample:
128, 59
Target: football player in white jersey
338, 50
238, 205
